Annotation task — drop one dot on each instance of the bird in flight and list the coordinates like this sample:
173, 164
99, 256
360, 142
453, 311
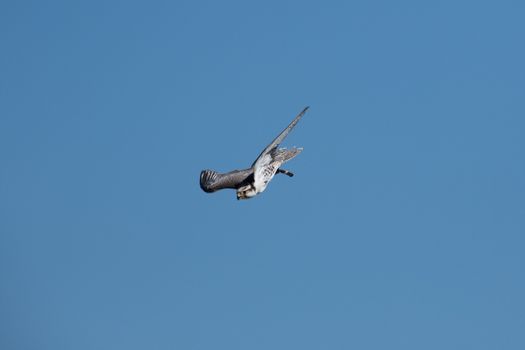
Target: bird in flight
252, 181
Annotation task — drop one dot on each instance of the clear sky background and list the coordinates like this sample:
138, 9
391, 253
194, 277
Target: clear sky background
402, 229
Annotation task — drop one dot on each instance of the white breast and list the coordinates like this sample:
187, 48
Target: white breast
264, 175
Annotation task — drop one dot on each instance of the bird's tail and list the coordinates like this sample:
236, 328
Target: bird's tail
284, 154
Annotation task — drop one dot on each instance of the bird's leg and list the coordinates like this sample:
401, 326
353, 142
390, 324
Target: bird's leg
285, 172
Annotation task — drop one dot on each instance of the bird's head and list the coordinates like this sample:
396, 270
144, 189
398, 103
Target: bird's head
246, 192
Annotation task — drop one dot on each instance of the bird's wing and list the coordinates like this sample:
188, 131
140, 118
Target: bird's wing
271, 158
275, 143
212, 181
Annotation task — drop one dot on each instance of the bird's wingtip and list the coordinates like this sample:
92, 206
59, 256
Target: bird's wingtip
206, 180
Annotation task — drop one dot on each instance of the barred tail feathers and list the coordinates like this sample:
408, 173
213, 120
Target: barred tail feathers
284, 154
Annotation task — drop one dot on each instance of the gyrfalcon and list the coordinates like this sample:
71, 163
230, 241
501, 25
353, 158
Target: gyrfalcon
252, 181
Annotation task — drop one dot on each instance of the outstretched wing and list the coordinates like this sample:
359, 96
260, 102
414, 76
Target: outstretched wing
212, 181
271, 158
275, 143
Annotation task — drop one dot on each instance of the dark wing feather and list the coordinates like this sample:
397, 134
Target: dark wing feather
212, 181
281, 137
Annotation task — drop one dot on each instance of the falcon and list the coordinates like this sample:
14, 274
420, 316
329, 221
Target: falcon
254, 180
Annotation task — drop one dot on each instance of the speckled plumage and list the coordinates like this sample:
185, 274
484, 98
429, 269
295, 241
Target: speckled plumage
254, 180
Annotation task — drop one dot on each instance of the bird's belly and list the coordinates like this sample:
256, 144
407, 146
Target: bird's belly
267, 174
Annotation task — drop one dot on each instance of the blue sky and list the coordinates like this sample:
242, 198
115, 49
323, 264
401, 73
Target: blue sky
402, 229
